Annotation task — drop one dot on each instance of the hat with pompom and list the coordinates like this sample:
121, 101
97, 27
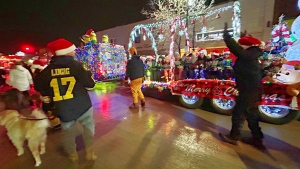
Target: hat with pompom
61, 47
202, 50
226, 51
215, 52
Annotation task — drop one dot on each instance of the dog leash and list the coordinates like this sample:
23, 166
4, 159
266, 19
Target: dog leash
29, 118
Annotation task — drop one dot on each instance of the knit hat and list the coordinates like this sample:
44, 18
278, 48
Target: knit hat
249, 41
61, 47
226, 51
293, 64
215, 52
132, 51
202, 50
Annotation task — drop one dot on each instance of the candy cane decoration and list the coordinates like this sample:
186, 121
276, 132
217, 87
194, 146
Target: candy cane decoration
281, 27
173, 30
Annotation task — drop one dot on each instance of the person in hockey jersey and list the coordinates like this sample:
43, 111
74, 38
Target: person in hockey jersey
65, 82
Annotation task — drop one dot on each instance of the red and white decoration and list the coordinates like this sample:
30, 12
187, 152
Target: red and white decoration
275, 94
281, 30
173, 30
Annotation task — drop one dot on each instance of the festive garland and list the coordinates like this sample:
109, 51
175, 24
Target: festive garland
157, 85
145, 30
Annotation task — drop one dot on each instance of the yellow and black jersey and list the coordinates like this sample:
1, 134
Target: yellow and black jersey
66, 80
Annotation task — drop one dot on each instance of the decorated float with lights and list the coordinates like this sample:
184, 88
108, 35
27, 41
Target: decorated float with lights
280, 101
106, 61
279, 104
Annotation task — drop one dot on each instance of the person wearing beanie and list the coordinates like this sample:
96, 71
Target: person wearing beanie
135, 71
64, 82
248, 82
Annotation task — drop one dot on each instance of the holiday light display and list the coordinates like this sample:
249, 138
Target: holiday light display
236, 20
160, 86
106, 61
293, 53
173, 30
280, 41
146, 31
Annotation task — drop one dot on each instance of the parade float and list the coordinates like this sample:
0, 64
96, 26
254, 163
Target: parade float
106, 61
279, 104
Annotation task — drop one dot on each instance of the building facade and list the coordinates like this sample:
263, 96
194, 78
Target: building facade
257, 17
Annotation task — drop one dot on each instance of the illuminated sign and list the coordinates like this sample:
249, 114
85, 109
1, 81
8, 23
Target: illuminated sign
212, 35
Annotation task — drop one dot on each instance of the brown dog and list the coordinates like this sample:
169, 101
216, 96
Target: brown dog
19, 130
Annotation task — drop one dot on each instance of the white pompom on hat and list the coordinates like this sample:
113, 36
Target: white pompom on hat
61, 47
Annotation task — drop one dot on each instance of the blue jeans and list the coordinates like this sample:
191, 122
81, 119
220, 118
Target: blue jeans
70, 132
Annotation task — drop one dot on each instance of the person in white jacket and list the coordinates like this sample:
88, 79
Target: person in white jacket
20, 78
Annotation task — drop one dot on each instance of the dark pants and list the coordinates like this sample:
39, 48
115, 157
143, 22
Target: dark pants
187, 74
246, 109
227, 73
211, 74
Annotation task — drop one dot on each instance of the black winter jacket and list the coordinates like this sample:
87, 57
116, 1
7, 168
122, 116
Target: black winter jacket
247, 69
135, 68
66, 80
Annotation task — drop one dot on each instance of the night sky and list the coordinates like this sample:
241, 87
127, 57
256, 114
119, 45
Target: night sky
36, 22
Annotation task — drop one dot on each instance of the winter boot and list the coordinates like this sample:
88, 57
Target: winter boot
90, 155
255, 142
143, 103
134, 106
228, 138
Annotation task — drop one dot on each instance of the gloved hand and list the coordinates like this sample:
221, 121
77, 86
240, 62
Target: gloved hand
244, 33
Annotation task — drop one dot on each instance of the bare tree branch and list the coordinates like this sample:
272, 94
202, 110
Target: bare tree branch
162, 10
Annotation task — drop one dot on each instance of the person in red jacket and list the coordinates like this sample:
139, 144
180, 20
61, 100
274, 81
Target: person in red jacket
64, 82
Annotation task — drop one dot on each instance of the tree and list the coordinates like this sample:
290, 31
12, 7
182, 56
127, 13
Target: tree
164, 10
167, 10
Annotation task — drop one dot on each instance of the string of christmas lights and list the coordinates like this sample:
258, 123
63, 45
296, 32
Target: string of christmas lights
106, 61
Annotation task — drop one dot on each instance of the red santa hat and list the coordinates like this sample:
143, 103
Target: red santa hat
38, 64
149, 57
249, 41
89, 32
202, 50
226, 51
61, 47
293, 64
215, 52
